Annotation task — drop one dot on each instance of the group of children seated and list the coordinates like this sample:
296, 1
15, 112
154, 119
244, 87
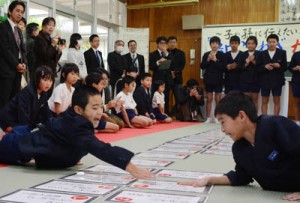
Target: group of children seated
132, 107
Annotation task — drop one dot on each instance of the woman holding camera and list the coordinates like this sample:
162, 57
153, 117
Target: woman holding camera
48, 50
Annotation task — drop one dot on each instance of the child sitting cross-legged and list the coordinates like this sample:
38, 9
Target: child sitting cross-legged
128, 110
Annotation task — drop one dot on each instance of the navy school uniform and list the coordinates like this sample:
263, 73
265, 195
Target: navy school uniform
61, 143
273, 79
143, 100
295, 61
232, 77
214, 71
25, 109
274, 159
249, 74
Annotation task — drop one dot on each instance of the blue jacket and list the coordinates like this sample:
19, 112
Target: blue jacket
274, 160
65, 139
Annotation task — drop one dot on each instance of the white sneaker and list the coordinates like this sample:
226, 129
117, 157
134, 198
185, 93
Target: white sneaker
208, 120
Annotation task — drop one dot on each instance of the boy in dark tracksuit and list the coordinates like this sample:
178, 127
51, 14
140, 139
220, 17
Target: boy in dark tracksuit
142, 97
214, 65
273, 66
266, 148
232, 73
294, 67
65, 139
249, 78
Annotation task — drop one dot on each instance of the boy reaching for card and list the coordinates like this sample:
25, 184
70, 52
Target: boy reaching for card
65, 139
266, 148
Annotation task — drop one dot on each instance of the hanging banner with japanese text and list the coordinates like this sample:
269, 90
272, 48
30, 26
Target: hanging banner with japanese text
288, 33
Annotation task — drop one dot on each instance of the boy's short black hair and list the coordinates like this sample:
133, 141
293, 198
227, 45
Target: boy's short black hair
131, 69
161, 38
66, 69
172, 38
127, 80
82, 94
146, 75
14, 4
93, 78
273, 36
103, 71
234, 102
131, 41
92, 37
42, 72
192, 82
252, 38
47, 20
235, 39
215, 39
156, 84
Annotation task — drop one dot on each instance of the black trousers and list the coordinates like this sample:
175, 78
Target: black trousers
9, 87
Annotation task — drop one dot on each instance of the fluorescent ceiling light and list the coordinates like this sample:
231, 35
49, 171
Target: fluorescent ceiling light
162, 4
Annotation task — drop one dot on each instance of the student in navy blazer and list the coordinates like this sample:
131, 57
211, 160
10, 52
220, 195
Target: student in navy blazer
65, 139
134, 59
272, 68
30, 106
12, 57
265, 148
232, 73
155, 59
143, 98
93, 64
294, 67
214, 65
249, 75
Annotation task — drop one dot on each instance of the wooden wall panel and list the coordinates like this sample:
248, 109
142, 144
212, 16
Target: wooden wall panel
167, 21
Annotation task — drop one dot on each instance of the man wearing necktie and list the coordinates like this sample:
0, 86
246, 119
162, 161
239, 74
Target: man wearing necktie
156, 58
93, 57
12, 51
134, 59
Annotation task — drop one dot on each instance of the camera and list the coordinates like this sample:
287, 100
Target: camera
61, 41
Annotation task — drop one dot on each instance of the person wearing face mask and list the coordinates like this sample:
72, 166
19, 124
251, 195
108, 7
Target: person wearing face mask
93, 57
116, 63
47, 49
76, 56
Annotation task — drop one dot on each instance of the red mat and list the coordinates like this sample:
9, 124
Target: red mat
126, 133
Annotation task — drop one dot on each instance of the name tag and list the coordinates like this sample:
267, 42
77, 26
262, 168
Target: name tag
273, 155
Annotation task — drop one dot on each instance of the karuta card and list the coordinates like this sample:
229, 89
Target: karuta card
105, 169
147, 197
32, 196
176, 150
163, 155
77, 187
151, 163
101, 178
184, 174
168, 185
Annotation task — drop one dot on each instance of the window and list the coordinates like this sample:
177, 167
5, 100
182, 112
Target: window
37, 13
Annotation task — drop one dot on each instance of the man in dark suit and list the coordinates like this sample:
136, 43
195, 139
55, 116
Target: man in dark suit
134, 59
116, 63
178, 64
12, 57
156, 58
93, 57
